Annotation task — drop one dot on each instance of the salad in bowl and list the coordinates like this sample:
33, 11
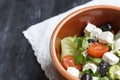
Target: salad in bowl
93, 56
85, 45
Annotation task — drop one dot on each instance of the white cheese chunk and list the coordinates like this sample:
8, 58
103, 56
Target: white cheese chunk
118, 72
85, 53
117, 44
91, 66
95, 78
105, 37
88, 29
73, 71
94, 33
110, 58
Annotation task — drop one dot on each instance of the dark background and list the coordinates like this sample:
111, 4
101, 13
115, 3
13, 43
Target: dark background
17, 61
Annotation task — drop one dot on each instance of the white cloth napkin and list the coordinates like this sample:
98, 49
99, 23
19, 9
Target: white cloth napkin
39, 36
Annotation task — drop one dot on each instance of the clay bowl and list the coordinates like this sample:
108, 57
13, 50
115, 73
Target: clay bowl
75, 23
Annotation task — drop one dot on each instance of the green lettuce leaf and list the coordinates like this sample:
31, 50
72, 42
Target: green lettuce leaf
74, 46
68, 47
85, 43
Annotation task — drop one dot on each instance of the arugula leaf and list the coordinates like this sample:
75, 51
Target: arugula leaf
82, 42
78, 42
82, 45
79, 58
89, 71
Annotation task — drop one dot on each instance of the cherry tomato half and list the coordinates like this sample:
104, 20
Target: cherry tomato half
97, 49
68, 61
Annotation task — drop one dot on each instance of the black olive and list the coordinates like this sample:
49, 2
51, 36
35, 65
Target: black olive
91, 40
106, 27
103, 68
86, 77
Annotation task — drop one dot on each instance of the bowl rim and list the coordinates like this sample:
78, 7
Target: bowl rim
54, 58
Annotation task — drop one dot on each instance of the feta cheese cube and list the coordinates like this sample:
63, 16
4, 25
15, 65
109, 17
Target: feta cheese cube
110, 58
94, 33
95, 78
105, 37
91, 66
118, 72
73, 71
117, 44
88, 29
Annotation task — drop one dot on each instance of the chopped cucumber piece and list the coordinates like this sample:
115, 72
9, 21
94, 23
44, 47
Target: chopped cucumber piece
114, 72
95, 60
117, 52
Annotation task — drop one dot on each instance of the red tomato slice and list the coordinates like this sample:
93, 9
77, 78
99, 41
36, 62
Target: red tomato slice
68, 61
97, 49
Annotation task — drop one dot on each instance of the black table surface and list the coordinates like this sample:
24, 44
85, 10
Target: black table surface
17, 61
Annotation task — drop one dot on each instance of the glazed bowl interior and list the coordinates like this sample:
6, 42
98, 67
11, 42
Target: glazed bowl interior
75, 23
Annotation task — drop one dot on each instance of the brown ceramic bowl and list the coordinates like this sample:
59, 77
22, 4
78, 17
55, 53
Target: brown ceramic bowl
74, 24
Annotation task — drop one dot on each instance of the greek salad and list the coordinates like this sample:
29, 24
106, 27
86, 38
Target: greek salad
93, 56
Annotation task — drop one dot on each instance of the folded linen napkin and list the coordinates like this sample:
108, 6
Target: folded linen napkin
39, 36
